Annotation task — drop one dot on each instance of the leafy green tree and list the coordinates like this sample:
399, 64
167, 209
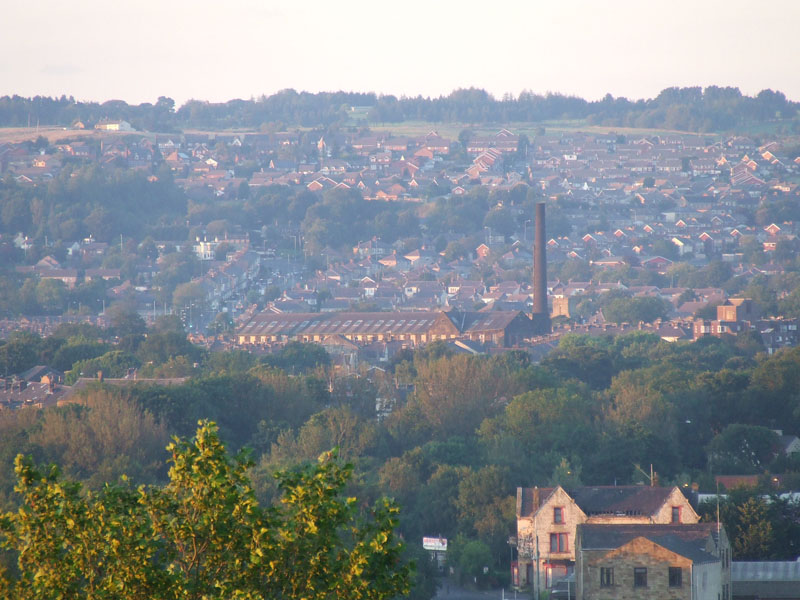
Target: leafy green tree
75, 350
17, 355
103, 438
566, 475
471, 557
742, 449
753, 537
202, 535
159, 347
485, 505
125, 320
51, 295
299, 357
591, 365
633, 310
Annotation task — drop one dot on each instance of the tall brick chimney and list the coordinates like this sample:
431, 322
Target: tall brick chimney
541, 314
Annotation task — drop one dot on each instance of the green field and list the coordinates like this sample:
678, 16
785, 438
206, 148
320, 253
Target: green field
451, 130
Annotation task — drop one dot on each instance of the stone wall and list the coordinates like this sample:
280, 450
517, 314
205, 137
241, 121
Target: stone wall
641, 553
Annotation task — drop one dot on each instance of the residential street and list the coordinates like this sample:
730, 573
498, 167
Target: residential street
450, 590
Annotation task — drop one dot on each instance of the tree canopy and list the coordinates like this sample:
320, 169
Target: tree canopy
202, 535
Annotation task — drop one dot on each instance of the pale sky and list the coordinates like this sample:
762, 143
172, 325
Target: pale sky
139, 50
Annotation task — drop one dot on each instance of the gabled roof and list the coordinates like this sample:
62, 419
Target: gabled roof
529, 504
629, 500
688, 540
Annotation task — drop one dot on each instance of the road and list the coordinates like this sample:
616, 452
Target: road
450, 590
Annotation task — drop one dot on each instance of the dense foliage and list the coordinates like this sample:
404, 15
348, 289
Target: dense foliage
202, 535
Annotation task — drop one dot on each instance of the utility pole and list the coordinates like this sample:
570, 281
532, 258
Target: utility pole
537, 592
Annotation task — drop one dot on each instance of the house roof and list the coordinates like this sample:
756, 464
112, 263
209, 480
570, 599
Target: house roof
602, 500
35, 374
628, 499
529, 503
687, 540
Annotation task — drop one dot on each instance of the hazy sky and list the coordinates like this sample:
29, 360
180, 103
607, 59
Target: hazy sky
139, 50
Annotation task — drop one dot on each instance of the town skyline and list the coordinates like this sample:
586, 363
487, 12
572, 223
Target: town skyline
255, 49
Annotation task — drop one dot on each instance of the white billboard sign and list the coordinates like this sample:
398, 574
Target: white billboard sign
435, 543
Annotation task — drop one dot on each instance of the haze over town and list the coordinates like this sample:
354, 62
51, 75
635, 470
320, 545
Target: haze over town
137, 51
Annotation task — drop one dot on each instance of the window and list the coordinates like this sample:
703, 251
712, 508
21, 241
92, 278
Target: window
640, 577
558, 515
559, 542
676, 514
606, 576
675, 577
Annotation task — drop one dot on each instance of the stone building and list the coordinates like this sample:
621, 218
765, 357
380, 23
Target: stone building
639, 562
547, 519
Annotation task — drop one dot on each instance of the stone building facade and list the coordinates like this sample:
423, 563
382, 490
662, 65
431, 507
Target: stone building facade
664, 562
547, 519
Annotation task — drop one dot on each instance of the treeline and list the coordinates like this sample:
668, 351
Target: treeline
463, 432
690, 109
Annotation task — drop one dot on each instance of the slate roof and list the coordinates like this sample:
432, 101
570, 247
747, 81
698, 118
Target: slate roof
351, 323
627, 499
35, 374
528, 508
630, 500
339, 323
33, 394
689, 540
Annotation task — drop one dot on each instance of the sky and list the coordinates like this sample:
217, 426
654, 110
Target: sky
216, 51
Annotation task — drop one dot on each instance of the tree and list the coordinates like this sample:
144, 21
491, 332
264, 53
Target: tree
471, 557
50, 295
742, 449
202, 535
753, 536
633, 310
125, 320
299, 356
166, 323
